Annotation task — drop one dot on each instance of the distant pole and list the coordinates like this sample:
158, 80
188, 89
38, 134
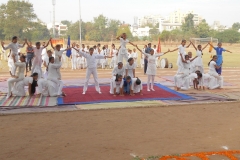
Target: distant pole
80, 23
53, 22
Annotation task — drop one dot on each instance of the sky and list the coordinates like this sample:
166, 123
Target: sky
225, 11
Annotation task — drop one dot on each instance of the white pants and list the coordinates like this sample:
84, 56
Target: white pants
181, 80
121, 57
112, 88
74, 63
150, 77
55, 89
92, 71
18, 89
11, 82
113, 62
216, 81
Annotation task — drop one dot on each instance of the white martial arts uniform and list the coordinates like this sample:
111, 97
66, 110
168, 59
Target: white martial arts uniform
129, 69
114, 58
123, 53
198, 62
37, 61
216, 80
21, 66
14, 52
135, 56
181, 79
103, 62
58, 55
64, 60
45, 73
118, 71
18, 89
181, 50
74, 59
54, 84
205, 80
44, 53
151, 68
42, 87
91, 69
136, 88
116, 84
130, 55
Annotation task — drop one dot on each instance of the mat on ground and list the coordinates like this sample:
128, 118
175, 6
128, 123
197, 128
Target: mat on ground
75, 96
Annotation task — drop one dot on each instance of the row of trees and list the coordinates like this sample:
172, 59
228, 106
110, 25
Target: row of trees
18, 18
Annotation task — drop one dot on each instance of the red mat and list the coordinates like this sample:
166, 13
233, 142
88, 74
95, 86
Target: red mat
75, 96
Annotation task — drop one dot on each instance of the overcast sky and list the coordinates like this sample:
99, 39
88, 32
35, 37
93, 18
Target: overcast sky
225, 11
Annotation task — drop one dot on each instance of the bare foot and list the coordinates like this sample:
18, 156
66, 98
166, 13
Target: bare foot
63, 94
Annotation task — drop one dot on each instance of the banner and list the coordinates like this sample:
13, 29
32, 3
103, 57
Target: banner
69, 52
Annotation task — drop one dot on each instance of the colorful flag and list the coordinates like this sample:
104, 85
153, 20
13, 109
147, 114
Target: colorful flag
69, 52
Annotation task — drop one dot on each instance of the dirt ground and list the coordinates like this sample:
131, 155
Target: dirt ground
115, 134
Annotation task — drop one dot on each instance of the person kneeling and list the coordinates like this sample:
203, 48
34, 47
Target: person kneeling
116, 86
136, 86
127, 85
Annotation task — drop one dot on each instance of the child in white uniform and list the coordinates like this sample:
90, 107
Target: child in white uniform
135, 56
123, 50
116, 86
181, 79
130, 68
91, 68
195, 78
21, 66
217, 81
103, 62
198, 62
74, 57
181, 51
14, 46
31, 82
55, 84
119, 69
43, 87
58, 56
137, 86
45, 63
151, 68
114, 53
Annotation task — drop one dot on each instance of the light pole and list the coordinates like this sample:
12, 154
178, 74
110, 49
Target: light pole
80, 23
53, 22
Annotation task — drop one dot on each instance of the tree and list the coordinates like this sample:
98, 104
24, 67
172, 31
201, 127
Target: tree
39, 32
17, 18
202, 29
66, 22
73, 30
188, 25
125, 29
165, 35
236, 26
228, 36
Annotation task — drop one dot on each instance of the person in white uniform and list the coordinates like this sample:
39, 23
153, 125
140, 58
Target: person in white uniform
116, 86
155, 52
55, 84
114, 53
31, 82
195, 78
119, 69
103, 62
74, 57
181, 79
130, 55
45, 63
198, 62
20, 66
142, 56
135, 56
130, 68
58, 56
151, 68
14, 46
42, 88
91, 68
44, 51
37, 58
137, 86
216, 80
181, 51
123, 54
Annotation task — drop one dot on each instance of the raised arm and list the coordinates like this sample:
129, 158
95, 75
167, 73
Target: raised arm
194, 46
189, 44
56, 66
228, 51
142, 51
131, 43
193, 59
211, 45
118, 37
205, 46
48, 43
52, 44
161, 54
174, 50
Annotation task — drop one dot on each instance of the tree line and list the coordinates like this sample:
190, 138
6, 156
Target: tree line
18, 18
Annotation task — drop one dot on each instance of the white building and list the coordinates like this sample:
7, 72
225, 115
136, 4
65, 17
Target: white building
140, 32
151, 19
60, 28
179, 17
218, 27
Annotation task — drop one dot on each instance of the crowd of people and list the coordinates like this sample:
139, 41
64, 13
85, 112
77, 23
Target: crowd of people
122, 60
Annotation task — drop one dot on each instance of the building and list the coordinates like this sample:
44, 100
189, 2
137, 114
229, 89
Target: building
167, 26
140, 32
151, 19
60, 28
179, 17
218, 27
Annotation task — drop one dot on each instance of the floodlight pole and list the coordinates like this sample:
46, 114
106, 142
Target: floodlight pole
53, 22
80, 24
